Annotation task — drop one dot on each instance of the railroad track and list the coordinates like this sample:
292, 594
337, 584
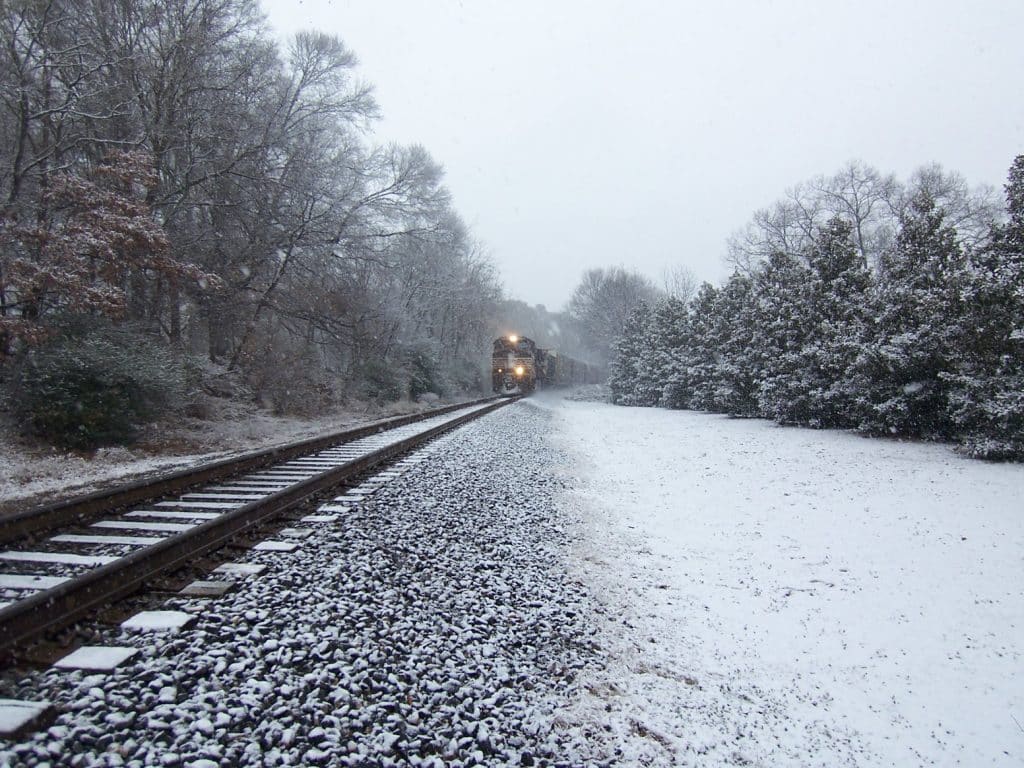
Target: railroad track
68, 559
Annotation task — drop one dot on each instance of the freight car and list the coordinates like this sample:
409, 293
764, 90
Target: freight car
519, 366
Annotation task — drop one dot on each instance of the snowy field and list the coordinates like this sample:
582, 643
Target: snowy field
779, 596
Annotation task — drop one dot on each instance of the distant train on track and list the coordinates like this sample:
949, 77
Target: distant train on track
519, 366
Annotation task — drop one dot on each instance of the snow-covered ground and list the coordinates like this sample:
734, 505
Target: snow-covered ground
32, 475
778, 596
577, 584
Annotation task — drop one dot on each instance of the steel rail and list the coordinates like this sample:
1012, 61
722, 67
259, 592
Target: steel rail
67, 512
60, 606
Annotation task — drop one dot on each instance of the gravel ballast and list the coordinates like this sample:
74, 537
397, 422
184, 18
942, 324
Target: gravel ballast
433, 624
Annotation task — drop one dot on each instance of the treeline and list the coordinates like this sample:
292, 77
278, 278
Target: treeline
901, 313
169, 171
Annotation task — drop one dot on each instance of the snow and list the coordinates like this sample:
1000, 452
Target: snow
81, 538
96, 658
239, 569
228, 496
203, 588
165, 515
15, 714
29, 581
273, 545
147, 527
796, 597
296, 533
340, 508
57, 557
157, 621
198, 504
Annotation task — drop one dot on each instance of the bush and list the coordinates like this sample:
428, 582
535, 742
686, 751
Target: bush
423, 374
295, 384
94, 384
379, 381
408, 372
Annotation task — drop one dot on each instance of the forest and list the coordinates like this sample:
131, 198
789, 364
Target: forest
191, 209
860, 302
189, 205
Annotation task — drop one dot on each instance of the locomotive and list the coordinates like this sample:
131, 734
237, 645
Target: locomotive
519, 366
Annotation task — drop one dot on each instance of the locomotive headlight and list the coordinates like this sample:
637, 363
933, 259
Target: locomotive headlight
520, 370
513, 338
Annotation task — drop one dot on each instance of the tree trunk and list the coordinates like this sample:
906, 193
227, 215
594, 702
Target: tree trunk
174, 314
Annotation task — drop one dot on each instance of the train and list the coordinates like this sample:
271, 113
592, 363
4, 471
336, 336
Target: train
519, 366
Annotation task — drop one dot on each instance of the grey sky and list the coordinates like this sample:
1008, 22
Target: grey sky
642, 133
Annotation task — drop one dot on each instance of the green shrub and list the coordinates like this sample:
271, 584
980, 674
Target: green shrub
379, 380
94, 384
422, 370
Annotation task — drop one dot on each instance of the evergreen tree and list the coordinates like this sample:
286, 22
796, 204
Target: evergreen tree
666, 335
627, 351
912, 344
781, 329
737, 369
988, 388
647, 382
809, 324
836, 295
704, 349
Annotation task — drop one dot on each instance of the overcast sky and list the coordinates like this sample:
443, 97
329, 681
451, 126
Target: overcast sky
588, 133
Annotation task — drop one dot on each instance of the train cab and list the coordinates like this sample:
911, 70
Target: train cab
514, 365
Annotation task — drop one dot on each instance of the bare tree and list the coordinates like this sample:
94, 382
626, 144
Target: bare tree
679, 283
260, 179
603, 302
871, 202
973, 213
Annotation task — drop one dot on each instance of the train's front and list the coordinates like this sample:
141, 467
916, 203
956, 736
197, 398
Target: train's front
513, 366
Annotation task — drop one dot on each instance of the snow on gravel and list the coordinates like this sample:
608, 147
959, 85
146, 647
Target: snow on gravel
433, 624
788, 597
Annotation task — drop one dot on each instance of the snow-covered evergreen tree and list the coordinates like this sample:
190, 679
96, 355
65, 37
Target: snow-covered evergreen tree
737, 369
836, 293
987, 398
931, 344
627, 350
666, 335
913, 340
781, 329
808, 327
704, 350
647, 382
